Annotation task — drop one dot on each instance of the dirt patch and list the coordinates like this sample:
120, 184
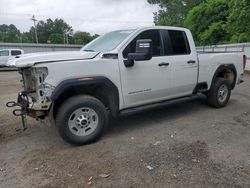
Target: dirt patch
11, 127
180, 165
243, 119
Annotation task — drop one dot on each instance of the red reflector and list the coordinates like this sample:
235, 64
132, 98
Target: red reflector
244, 61
85, 78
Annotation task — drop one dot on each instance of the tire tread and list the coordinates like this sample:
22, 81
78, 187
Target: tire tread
212, 95
61, 122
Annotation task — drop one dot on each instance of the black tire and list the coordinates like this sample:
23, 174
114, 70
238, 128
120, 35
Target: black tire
214, 97
66, 117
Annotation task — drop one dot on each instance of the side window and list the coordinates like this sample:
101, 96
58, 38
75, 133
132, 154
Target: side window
154, 35
179, 42
15, 52
4, 53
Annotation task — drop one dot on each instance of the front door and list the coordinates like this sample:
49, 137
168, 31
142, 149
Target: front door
147, 81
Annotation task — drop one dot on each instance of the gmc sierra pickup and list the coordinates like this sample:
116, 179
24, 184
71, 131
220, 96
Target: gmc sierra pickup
121, 72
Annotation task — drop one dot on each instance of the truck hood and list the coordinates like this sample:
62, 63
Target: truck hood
28, 60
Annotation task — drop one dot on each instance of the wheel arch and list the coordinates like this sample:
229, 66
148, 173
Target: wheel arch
100, 87
226, 71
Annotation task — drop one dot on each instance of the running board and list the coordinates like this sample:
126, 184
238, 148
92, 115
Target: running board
147, 107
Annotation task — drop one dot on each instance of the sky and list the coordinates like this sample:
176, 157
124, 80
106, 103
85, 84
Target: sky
94, 16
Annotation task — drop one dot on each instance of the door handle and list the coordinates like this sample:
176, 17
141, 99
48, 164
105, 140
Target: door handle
163, 64
191, 62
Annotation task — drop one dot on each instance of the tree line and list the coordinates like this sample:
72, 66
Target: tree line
211, 21
50, 31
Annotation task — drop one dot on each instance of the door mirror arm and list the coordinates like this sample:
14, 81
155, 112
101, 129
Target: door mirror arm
129, 62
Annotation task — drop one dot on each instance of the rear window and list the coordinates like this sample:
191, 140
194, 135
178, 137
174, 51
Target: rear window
4, 53
179, 43
15, 52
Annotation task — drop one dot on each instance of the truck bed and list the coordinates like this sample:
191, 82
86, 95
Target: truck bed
209, 62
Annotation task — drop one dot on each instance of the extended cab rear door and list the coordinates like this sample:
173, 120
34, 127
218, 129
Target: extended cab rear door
181, 55
16, 52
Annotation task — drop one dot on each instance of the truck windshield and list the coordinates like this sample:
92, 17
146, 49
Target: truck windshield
107, 42
4, 53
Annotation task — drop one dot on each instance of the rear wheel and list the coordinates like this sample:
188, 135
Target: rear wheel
220, 93
81, 119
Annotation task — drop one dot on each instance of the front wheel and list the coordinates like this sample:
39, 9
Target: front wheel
81, 119
220, 93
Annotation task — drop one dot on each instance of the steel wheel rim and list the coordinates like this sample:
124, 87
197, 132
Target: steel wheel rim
83, 121
222, 93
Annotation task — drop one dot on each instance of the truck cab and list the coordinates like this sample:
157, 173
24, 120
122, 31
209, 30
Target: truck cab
7, 54
171, 72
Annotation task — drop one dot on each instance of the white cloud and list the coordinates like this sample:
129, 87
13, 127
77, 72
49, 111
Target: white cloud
95, 16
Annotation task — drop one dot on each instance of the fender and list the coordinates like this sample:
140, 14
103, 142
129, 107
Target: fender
223, 67
88, 81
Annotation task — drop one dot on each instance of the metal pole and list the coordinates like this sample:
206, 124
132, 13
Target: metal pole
34, 20
67, 38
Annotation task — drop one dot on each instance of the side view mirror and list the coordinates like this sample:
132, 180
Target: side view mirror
143, 52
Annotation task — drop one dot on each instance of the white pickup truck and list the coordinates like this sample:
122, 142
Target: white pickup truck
121, 72
7, 54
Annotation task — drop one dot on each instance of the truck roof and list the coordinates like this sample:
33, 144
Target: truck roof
162, 27
153, 27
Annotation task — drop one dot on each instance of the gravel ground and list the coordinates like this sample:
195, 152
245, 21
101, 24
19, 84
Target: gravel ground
185, 144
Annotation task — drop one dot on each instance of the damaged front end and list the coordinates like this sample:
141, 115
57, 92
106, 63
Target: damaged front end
34, 100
